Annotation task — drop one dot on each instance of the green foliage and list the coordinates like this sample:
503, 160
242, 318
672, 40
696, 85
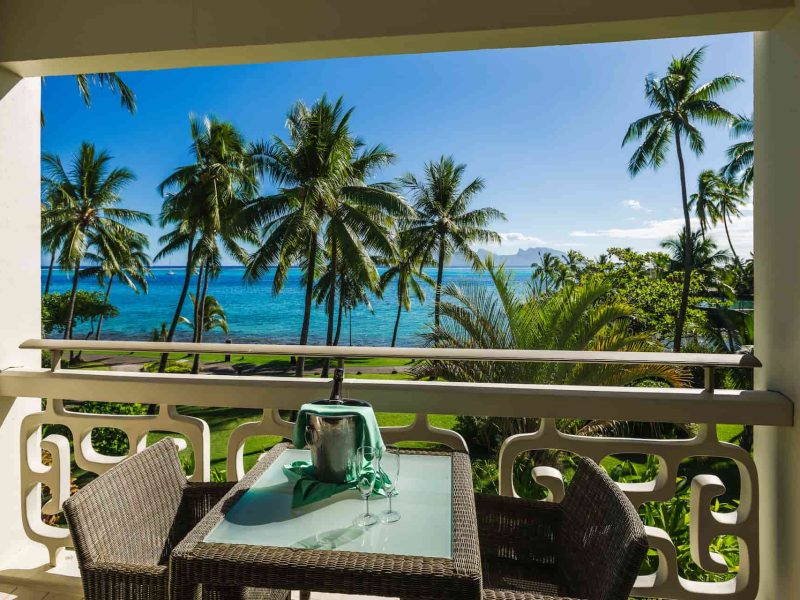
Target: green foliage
106, 440
88, 306
173, 366
644, 281
673, 517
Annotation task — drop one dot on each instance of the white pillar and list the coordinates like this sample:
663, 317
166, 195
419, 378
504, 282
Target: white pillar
777, 296
19, 279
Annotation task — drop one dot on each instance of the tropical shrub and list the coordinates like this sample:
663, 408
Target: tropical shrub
583, 316
88, 307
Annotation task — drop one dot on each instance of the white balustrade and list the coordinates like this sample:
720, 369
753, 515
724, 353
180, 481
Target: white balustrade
272, 394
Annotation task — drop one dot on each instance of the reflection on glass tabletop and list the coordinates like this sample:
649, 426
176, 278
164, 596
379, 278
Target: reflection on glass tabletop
264, 516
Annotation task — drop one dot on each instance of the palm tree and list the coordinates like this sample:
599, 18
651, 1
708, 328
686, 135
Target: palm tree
445, 223
703, 201
679, 104
550, 275
741, 154
706, 257
111, 81
718, 199
87, 212
213, 316
322, 203
407, 270
205, 200
127, 262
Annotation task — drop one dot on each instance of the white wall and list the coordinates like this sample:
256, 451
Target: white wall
19, 276
777, 255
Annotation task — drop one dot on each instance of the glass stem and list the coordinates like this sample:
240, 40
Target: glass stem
390, 501
366, 502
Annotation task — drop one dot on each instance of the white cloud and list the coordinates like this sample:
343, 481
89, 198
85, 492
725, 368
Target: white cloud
633, 204
652, 232
519, 238
512, 241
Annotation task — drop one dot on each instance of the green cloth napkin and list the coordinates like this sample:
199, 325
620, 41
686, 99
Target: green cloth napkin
308, 490
367, 433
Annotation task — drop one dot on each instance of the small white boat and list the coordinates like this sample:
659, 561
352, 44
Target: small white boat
171, 273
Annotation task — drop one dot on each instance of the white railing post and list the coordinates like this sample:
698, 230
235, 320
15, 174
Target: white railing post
777, 291
20, 253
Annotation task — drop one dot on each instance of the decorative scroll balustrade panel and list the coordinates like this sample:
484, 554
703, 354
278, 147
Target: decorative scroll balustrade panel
704, 524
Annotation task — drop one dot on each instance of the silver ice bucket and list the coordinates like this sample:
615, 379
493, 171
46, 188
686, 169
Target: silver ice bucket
332, 439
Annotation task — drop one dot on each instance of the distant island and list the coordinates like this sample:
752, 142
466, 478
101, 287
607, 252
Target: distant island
523, 257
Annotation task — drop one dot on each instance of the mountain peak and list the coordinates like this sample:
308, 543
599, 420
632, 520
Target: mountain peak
524, 257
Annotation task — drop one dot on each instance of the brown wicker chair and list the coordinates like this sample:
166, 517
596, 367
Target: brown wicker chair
125, 524
589, 546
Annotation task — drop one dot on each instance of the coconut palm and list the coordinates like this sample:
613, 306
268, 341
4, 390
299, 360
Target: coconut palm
741, 154
586, 316
718, 199
213, 316
322, 203
680, 104
706, 257
350, 243
406, 268
128, 263
110, 81
88, 212
445, 223
549, 275
205, 201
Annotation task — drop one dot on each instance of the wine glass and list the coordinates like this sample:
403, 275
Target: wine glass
367, 465
390, 465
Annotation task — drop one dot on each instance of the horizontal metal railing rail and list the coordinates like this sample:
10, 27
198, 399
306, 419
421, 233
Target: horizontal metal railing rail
744, 360
750, 407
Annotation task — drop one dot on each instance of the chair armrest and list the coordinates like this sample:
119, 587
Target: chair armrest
202, 496
116, 580
517, 529
198, 499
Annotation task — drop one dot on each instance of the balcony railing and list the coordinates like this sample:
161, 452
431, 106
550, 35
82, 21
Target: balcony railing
706, 407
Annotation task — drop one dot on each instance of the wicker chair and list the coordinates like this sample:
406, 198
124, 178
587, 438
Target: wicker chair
125, 524
589, 546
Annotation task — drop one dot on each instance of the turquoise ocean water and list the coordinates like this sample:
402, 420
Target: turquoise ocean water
256, 315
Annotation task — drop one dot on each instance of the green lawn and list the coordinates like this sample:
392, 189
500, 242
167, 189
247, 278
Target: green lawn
276, 361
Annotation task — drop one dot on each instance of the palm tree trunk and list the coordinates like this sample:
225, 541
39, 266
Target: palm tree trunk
397, 322
200, 321
71, 310
331, 309
339, 317
730, 243
439, 275
49, 273
197, 290
105, 302
176, 317
312, 260
687, 252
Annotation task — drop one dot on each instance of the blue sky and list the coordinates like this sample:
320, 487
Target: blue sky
543, 126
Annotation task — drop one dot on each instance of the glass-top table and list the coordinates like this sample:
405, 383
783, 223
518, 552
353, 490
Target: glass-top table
264, 514
254, 537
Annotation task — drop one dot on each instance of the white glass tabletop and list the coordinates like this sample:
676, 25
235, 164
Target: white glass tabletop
264, 516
